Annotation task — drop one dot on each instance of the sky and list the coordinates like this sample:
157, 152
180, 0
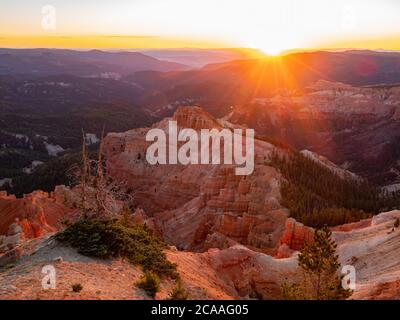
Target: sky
271, 26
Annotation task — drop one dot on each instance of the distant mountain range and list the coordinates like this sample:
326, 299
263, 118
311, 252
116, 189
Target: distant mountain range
265, 77
94, 63
198, 58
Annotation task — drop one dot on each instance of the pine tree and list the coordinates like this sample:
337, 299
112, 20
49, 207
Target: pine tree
320, 265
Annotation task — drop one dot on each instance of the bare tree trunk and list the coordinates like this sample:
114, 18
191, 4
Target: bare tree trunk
100, 180
318, 286
84, 170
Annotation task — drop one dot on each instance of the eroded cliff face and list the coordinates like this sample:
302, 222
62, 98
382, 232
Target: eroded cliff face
197, 207
29, 218
356, 127
237, 272
37, 213
325, 99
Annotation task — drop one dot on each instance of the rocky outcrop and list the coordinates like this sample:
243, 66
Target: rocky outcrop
9, 244
31, 218
354, 127
194, 205
13, 238
36, 213
325, 97
294, 237
250, 274
373, 250
195, 118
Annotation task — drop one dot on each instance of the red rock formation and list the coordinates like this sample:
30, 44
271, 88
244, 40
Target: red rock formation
37, 213
197, 204
283, 251
294, 237
10, 249
195, 118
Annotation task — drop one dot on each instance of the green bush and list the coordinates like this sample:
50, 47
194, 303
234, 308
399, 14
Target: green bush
77, 287
112, 238
179, 292
150, 283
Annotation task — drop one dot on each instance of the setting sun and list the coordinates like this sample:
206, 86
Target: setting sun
273, 46
270, 26
272, 51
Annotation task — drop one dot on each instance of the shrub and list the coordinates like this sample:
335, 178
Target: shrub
179, 292
111, 238
77, 287
150, 283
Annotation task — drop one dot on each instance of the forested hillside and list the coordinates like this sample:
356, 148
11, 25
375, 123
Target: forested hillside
317, 196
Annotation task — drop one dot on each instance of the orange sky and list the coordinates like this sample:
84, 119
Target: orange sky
269, 25
104, 42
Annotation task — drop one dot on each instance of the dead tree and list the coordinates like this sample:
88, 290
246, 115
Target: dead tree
85, 174
100, 195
